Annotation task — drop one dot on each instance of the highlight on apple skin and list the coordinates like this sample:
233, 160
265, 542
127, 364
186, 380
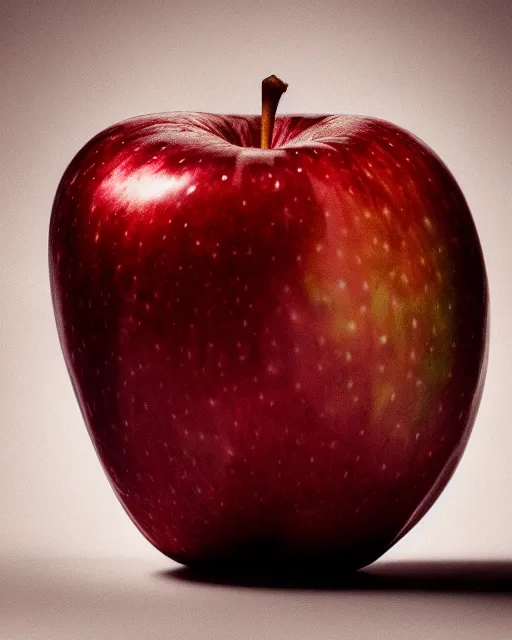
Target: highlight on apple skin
279, 353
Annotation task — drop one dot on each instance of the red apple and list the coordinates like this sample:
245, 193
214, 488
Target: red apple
279, 353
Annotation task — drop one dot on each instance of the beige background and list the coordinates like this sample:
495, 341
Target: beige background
440, 69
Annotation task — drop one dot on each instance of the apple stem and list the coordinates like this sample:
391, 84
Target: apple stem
272, 88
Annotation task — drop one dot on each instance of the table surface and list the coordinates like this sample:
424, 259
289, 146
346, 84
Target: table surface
52, 598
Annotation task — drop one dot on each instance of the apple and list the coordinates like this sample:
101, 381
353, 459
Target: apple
276, 328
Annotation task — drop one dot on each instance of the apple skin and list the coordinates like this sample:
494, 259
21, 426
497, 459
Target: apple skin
279, 354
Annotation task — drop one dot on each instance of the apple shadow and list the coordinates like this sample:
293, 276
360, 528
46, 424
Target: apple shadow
461, 576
